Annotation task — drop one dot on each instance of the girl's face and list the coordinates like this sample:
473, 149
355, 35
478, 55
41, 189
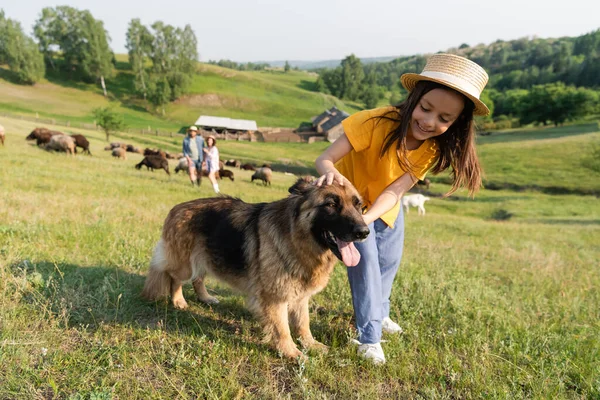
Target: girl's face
210, 142
435, 112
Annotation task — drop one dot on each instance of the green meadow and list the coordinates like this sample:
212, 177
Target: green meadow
272, 98
498, 295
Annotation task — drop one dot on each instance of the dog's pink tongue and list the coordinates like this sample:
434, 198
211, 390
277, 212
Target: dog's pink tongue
350, 255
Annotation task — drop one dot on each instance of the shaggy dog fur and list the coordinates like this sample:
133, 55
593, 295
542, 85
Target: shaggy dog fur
278, 254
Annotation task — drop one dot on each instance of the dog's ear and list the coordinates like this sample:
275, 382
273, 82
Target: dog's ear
302, 186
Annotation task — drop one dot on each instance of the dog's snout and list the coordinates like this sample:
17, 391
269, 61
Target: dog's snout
361, 232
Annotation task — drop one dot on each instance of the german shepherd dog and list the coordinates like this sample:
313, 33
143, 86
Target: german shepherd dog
278, 254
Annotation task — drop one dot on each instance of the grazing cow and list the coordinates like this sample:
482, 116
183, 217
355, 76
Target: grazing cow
415, 200
2, 134
154, 162
81, 141
42, 135
248, 167
225, 173
264, 174
119, 152
425, 182
61, 143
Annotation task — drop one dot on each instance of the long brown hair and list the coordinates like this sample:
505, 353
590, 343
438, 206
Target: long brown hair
457, 144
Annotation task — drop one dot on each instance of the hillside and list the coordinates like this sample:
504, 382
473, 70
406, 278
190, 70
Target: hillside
272, 98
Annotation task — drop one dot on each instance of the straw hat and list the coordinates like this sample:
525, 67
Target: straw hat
193, 128
457, 72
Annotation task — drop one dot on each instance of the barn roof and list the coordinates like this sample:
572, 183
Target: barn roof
319, 118
227, 123
333, 121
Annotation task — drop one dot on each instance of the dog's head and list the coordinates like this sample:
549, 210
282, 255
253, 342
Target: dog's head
333, 215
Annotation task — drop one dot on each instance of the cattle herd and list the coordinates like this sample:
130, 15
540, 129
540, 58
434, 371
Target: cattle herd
153, 158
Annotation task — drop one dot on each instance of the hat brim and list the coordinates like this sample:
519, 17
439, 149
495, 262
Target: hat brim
409, 81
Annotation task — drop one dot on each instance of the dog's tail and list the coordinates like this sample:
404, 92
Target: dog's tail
158, 281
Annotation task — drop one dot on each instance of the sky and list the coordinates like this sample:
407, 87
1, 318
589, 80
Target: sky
311, 30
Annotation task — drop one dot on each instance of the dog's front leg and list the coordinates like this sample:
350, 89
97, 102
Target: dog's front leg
275, 323
177, 294
299, 320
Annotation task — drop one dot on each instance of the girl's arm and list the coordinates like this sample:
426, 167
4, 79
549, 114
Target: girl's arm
325, 162
389, 197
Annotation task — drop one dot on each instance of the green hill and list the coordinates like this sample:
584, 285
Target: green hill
272, 98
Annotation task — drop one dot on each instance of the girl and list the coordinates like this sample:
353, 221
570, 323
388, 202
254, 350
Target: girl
212, 161
383, 153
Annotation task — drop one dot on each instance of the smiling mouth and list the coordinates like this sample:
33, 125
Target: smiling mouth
421, 129
345, 251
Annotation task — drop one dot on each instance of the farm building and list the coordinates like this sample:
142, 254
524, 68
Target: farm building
227, 128
329, 123
222, 124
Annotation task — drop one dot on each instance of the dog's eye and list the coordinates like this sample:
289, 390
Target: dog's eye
330, 204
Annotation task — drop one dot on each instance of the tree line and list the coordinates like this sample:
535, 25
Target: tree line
249, 66
73, 43
523, 74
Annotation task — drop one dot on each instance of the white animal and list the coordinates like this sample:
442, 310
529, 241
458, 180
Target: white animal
182, 165
62, 143
415, 200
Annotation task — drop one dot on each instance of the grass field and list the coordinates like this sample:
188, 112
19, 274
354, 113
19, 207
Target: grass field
272, 98
498, 296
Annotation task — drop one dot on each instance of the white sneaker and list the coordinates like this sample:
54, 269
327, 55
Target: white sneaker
370, 351
389, 326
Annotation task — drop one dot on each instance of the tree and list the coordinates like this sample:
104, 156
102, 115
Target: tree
174, 56
320, 86
139, 44
351, 78
78, 39
109, 120
286, 68
159, 91
20, 52
371, 96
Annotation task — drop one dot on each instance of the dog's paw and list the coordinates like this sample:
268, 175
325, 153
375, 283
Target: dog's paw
209, 300
314, 345
291, 352
180, 304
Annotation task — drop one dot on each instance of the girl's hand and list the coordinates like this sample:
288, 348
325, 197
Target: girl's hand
329, 177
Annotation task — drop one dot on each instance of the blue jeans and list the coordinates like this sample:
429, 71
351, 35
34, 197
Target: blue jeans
371, 280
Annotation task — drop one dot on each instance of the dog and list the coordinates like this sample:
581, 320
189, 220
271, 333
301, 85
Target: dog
278, 254
415, 200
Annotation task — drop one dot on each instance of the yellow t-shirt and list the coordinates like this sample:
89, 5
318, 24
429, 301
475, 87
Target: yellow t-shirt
363, 166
